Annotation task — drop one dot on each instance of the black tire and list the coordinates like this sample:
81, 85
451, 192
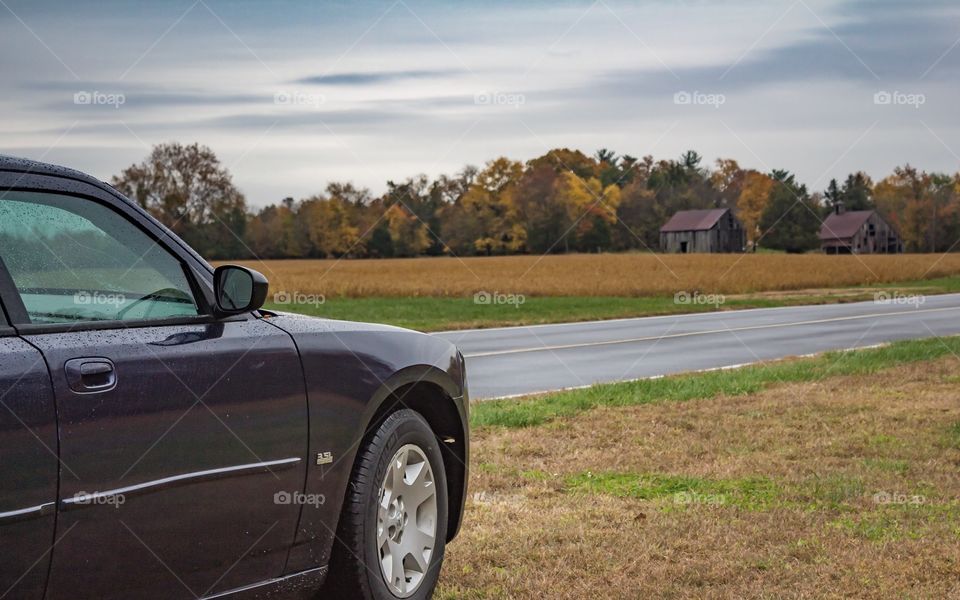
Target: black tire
355, 565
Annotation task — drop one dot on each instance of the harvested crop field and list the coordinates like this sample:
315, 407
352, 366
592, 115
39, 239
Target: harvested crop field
843, 487
598, 274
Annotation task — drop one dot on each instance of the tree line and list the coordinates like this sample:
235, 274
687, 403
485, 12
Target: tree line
563, 201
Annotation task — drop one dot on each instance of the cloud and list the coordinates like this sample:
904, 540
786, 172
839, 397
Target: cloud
877, 44
375, 77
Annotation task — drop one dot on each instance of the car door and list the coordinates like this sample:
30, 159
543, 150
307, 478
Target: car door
179, 429
28, 467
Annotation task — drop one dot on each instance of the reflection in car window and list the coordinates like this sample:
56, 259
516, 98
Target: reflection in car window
74, 260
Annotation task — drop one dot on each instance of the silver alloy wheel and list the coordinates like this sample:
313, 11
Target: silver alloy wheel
406, 520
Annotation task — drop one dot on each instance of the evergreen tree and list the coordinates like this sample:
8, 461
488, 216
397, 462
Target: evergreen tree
790, 221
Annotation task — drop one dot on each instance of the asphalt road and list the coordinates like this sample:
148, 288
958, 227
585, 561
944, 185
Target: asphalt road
522, 360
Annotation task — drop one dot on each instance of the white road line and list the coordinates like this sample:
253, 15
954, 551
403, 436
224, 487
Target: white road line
707, 332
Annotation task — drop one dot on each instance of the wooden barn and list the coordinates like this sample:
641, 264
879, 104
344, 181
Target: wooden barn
858, 232
712, 230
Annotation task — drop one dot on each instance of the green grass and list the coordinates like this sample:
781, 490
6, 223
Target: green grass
680, 490
901, 521
536, 410
831, 491
438, 314
900, 467
427, 313
953, 436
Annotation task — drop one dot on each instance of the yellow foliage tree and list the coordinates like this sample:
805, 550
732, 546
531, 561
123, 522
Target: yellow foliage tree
753, 199
591, 209
408, 233
330, 225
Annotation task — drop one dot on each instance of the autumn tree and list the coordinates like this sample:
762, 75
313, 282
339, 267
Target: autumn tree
752, 202
408, 234
564, 159
590, 209
923, 206
276, 232
544, 219
484, 220
423, 200
187, 189
640, 217
334, 222
905, 197
727, 180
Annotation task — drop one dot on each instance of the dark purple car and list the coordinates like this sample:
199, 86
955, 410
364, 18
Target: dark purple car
163, 436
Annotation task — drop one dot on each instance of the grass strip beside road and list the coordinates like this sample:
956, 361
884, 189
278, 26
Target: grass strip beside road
433, 313
537, 410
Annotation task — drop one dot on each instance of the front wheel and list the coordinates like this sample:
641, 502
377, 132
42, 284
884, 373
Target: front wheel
392, 532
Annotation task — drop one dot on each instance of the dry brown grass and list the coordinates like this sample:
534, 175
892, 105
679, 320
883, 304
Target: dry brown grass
813, 529
598, 274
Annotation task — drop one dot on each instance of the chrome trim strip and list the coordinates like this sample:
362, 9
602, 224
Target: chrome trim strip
91, 498
27, 512
293, 578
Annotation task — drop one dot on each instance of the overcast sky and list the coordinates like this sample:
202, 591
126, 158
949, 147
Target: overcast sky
294, 94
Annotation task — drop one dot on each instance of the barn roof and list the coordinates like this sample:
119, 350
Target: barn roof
694, 220
844, 225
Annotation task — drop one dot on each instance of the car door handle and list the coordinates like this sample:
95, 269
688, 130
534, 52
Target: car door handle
91, 374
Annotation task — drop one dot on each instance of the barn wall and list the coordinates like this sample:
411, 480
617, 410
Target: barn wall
713, 240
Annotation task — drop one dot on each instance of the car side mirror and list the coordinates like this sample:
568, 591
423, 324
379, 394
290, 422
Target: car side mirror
238, 289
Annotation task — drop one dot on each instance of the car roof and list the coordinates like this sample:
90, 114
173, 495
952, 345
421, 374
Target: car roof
26, 165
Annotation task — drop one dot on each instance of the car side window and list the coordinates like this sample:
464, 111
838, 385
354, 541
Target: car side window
74, 260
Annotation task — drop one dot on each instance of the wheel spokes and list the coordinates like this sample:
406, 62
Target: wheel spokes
406, 520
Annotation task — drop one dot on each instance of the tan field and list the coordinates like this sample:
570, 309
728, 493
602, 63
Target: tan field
598, 274
841, 488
